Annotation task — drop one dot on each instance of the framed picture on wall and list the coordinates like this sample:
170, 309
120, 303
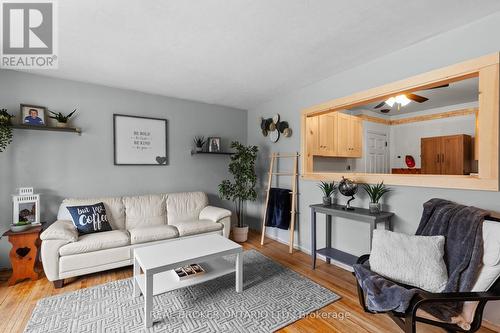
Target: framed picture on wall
140, 140
33, 115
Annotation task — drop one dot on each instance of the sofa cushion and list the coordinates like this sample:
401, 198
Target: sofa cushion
185, 206
197, 227
154, 233
145, 210
87, 261
96, 242
90, 219
114, 209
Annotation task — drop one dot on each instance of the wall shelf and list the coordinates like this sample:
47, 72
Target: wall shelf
49, 128
193, 152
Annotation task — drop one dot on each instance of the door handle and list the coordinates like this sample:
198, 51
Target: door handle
437, 158
442, 158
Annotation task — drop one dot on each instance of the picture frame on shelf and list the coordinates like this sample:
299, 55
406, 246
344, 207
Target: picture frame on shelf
140, 140
33, 115
214, 145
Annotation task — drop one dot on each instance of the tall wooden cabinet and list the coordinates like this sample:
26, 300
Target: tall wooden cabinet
446, 155
335, 135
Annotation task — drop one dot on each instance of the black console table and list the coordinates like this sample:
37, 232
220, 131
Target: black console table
360, 214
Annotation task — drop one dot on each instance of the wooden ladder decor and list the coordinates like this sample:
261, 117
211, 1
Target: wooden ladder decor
293, 192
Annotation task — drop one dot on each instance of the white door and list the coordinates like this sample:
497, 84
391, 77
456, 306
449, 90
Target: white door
377, 156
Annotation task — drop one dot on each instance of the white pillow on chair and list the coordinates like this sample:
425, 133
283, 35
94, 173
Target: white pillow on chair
414, 260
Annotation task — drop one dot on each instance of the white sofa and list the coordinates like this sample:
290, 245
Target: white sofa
136, 221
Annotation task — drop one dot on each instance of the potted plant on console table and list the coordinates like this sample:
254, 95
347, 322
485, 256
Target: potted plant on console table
242, 167
375, 192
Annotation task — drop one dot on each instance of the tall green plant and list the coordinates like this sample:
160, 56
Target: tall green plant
375, 192
5, 129
242, 188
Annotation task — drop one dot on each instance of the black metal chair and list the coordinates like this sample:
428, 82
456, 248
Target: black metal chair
407, 321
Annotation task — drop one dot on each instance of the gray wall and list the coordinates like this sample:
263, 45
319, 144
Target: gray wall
470, 41
63, 165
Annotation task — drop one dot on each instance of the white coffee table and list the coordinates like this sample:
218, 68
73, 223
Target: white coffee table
158, 261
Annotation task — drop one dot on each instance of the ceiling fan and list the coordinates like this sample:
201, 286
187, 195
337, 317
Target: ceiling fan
404, 99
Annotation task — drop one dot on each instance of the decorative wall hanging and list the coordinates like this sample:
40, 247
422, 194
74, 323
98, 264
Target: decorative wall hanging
274, 127
140, 140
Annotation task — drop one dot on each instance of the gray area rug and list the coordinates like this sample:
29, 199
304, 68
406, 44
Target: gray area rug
273, 297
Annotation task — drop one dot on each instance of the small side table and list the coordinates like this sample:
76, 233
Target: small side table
24, 254
358, 214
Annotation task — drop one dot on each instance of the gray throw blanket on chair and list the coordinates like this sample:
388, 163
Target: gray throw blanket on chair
462, 228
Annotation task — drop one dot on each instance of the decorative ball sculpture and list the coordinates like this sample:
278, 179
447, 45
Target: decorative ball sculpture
348, 188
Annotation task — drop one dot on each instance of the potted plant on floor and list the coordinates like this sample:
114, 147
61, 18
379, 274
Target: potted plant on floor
62, 120
5, 129
375, 192
199, 142
242, 188
328, 190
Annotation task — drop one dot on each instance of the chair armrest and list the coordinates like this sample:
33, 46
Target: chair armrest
60, 230
214, 213
427, 297
361, 260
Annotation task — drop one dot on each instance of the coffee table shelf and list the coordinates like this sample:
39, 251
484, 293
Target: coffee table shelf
168, 281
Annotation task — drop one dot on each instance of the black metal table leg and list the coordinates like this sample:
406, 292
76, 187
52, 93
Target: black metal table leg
328, 234
313, 238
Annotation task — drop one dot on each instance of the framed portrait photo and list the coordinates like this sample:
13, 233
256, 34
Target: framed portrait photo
214, 145
140, 140
33, 115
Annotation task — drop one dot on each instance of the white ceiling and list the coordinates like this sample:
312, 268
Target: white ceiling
461, 92
240, 52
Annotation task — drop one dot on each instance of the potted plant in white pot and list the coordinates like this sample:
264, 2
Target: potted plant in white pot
375, 192
328, 190
62, 120
199, 142
242, 188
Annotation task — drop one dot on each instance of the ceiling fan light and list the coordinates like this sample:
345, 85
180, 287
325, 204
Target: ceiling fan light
390, 101
402, 100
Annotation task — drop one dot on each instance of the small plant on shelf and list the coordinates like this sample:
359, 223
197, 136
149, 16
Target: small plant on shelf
328, 190
199, 142
5, 129
375, 192
62, 120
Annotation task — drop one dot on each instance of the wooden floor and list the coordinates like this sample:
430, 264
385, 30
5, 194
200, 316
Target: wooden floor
17, 302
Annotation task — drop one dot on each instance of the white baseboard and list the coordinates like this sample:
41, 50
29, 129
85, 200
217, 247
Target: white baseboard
307, 251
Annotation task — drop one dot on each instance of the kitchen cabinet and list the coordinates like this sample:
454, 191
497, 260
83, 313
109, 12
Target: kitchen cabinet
335, 135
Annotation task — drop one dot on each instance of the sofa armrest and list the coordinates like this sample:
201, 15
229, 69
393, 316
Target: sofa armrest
214, 213
60, 230
220, 215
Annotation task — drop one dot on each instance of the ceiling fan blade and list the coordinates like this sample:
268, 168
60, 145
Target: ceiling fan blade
442, 86
381, 104
385, 110
417, 98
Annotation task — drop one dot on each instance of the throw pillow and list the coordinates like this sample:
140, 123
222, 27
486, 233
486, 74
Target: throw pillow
90, 218
414, 260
